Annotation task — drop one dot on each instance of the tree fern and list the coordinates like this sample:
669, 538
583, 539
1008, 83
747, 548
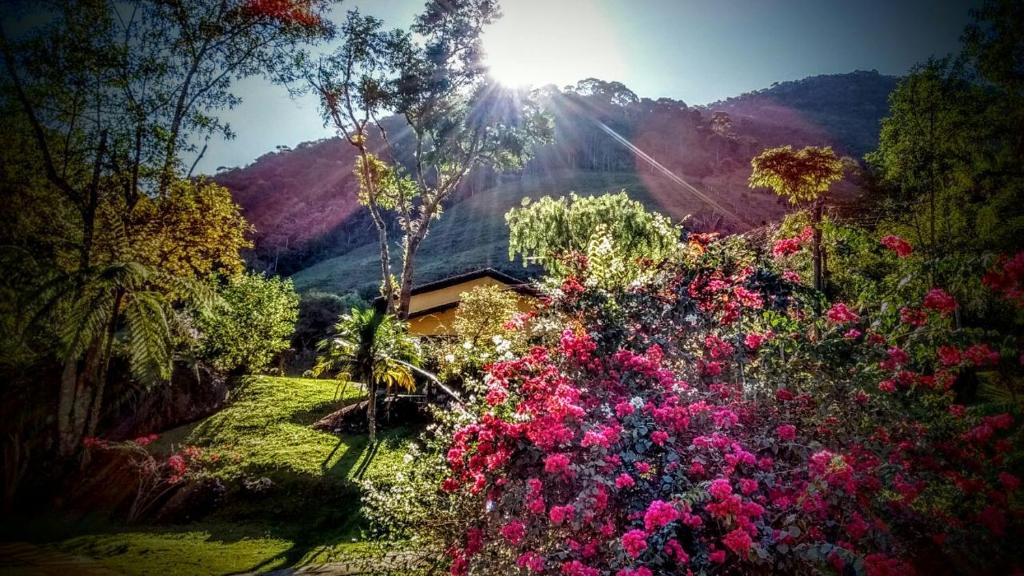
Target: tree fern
149, 337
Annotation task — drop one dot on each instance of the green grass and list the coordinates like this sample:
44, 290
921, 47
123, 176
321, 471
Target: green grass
265, 432
309, 516
210, 549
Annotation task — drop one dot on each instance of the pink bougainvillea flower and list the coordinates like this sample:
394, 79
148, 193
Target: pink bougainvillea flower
514, 532
913, 316
634, 542
839, 313
624, 481
531, 561
786, 432
577, 568
560, 514
939, 300
659, 437
658, 514
786, 246
791, 276
982, 355
720, 488
949, 355
1006, 278
739, 542
901, 247
754, 341
675, 550
556, 463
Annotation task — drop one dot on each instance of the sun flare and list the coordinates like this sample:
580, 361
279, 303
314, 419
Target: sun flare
540, 42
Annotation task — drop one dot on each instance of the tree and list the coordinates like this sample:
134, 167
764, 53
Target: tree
113, 95
455, 118
948, 155
721, 126
803, 177
253, 322
195, 229
620, 238
371, 348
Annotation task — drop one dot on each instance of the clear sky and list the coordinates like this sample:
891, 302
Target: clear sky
698, 51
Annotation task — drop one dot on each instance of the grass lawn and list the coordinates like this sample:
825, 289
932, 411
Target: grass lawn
309, 515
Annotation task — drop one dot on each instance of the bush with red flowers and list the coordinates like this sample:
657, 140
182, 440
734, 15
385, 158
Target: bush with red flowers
711, 420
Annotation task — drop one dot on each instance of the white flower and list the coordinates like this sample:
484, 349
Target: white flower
467, 345
407, 458
450, 358
636, 402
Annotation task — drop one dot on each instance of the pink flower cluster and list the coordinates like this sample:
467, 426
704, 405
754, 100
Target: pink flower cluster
901, 247
787, 246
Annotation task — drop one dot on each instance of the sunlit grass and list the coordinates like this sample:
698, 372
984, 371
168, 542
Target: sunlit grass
310, 515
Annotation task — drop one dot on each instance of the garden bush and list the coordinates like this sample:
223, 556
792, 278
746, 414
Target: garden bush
719, 418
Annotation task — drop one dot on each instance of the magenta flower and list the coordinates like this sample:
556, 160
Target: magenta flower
634, 542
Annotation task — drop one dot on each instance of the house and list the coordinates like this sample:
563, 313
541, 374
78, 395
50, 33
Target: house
432, 306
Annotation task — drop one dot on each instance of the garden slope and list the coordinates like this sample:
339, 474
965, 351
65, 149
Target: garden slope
309, 515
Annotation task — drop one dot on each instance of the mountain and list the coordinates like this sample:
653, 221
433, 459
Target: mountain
309, 225
844, 109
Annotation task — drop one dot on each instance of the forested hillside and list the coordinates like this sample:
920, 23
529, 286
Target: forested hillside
308, 223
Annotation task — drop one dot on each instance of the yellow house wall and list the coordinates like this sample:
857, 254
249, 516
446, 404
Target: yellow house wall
440, 323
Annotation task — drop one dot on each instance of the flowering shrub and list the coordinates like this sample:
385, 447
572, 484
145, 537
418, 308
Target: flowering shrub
157, 475
710, 421
488, 326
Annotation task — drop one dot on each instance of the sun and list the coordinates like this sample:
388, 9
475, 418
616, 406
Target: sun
539, 42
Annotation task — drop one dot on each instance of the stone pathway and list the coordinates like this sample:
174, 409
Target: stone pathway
23, 559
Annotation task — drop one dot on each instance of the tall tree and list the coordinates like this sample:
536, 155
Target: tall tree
949, 151
355, 85
114, 95
803, 177
456, 118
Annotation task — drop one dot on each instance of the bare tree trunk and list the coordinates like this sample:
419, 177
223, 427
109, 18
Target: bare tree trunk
408, 260
96, 407
76, 397
371, 407
387, 287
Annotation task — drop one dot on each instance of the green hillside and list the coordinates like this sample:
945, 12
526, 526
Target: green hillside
472, 234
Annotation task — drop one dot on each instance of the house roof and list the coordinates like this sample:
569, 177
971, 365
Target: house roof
516, 284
